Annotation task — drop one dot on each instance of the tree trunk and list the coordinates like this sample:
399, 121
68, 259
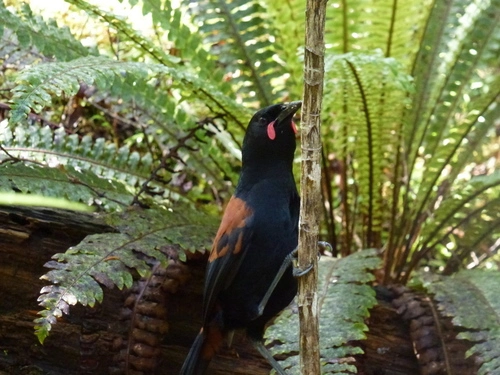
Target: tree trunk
104, 340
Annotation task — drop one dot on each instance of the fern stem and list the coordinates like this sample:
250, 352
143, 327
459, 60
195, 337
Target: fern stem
389, 260
327, 188
369, 233
263, 96
345, 28
391, 28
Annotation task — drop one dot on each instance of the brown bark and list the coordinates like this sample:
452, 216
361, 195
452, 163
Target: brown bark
88, 341
310, 185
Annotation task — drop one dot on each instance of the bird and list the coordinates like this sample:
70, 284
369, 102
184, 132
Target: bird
250, 277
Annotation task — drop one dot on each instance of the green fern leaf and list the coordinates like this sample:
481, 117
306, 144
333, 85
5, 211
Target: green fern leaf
36, 85
107, 259
241, 37
461, 196
471, 298
289, 25
50, 39
67, 182
345, 298
458, 102
56, 148
368, 94
205, 86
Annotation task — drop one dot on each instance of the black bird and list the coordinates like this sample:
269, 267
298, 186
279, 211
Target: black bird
249, 276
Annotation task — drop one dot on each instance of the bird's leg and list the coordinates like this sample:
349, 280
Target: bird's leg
284, 266
297, 272
268, 356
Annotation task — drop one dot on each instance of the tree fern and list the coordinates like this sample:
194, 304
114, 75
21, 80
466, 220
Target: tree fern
107, 259
345, 298
471, 299
367, 94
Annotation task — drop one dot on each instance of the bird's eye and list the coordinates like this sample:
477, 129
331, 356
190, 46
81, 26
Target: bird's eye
262, 121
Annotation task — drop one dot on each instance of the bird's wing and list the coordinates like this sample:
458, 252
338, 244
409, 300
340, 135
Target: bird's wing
228, 251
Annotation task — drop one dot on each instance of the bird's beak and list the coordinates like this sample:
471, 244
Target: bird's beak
286, 115
289, 111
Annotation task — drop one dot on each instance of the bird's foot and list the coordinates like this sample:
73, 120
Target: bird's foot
301, 271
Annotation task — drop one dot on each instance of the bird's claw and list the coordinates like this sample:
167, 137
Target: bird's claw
325, 246
298, 271
301, 271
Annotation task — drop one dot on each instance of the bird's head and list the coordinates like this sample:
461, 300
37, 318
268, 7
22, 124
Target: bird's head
271, 133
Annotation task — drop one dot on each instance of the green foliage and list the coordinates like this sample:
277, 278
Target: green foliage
36, 87
197, 77
345, 298
55, 147
49, 38
241, 38
66, 182
369, 138
410, 107
471, 299
77, 276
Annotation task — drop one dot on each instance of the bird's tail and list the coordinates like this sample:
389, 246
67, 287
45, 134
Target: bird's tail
204, 348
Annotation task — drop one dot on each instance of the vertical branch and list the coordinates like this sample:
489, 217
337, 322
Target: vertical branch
310, 183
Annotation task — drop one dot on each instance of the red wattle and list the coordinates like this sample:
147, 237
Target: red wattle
294, 127
271, 133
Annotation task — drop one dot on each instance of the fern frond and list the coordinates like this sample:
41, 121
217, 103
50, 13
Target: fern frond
450, 209
55, 147
240, 34
458, 90
440, 93
169, 119
205, 86
471, 298
289, 25
386, 25
107, 259
50, 39
77, 185
344, 298
367, 94
36, 85
184, 38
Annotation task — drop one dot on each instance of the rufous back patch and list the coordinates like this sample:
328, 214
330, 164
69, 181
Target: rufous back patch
232, 224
